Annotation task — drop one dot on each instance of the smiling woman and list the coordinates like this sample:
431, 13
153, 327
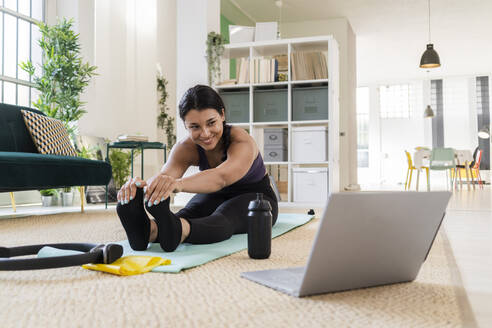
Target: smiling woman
231, 173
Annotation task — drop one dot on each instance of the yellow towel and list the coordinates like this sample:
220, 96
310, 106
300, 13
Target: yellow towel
129, 265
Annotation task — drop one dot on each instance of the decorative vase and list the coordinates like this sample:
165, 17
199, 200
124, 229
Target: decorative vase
67, 198
46, 200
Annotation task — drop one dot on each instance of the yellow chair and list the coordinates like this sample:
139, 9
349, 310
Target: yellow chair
12, 200
410, 169
473, 167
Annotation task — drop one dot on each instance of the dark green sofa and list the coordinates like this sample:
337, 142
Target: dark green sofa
23, 168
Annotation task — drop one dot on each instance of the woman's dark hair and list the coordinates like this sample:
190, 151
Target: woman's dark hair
202, 97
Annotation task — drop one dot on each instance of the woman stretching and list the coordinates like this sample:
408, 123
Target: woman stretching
231, 173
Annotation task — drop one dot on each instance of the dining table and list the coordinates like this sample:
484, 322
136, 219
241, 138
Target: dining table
464, 157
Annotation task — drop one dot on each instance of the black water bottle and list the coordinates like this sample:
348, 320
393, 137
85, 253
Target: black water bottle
259, 228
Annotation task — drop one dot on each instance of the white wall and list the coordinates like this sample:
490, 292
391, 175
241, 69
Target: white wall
167, 52
342, 32
195, 19
122, 97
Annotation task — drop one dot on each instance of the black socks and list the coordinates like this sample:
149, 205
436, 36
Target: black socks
169, 225
135, 221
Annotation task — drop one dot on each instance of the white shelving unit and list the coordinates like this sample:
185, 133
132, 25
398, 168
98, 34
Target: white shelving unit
325, 44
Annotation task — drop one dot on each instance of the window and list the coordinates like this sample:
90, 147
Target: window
483, 118
400, 100
363, 127
437, 105
19, 36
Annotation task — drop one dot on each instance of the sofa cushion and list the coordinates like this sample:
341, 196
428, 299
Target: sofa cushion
49, 135
13, 132
28, 171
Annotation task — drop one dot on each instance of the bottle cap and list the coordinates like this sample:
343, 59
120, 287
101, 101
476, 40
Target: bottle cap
259, 204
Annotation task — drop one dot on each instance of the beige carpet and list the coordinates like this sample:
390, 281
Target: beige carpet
211, 295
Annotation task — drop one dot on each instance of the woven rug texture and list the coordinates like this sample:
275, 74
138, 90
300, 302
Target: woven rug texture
213, 294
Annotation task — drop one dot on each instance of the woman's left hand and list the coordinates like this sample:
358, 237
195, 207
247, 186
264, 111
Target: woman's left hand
160, 187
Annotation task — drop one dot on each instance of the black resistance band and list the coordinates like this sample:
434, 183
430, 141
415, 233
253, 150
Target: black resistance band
93, 253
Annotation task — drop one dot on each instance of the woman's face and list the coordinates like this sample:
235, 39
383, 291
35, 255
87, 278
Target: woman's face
205, 127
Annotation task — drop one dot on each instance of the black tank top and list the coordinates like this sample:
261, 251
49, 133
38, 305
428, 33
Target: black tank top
256, 172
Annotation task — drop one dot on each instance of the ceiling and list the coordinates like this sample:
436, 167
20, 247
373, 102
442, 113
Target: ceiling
392, 32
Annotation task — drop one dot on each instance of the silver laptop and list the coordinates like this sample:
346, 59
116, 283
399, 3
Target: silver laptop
364, 239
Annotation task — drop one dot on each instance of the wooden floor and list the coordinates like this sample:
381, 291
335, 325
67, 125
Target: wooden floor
468, 224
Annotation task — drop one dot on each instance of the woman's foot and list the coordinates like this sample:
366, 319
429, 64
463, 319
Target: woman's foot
135, 221
169, 226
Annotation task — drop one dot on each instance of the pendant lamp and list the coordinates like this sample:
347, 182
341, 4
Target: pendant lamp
484, 133
428, 112
279, 4
430, 58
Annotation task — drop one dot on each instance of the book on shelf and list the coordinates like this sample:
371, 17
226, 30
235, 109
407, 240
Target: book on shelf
227, 82
309, 65
242, 70
282, 68
225, 73
129, 137
269, 69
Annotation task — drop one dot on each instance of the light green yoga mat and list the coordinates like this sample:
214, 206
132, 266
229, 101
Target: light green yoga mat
188, 255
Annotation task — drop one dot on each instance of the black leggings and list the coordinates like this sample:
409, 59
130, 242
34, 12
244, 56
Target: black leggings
217, 216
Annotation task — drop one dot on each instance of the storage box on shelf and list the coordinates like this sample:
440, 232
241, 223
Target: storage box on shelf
275, 137
275, 144
237, 104
270, 105
310, 144
309, 103
293, 118
310, 184
275, 153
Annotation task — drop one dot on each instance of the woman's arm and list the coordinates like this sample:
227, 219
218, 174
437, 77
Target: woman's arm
182, 156
240, 156
160, 186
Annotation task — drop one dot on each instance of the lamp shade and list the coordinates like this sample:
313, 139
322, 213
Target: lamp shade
430, 58
484, 133
428, 112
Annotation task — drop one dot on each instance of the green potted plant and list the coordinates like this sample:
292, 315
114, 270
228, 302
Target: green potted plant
63, 75
215, 49
47, 196
164, 120
67, 196
120, 162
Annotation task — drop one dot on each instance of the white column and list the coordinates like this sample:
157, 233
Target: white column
167, 53
195, 18
375, 155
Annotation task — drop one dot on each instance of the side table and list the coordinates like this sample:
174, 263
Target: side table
134, 145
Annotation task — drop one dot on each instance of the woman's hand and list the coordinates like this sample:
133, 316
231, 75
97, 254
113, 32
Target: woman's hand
160, 187
129, 189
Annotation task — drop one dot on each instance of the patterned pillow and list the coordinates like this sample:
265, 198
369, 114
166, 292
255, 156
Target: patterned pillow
49, 135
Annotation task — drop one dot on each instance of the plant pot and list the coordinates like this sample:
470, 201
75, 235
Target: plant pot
47, 200
67, 198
